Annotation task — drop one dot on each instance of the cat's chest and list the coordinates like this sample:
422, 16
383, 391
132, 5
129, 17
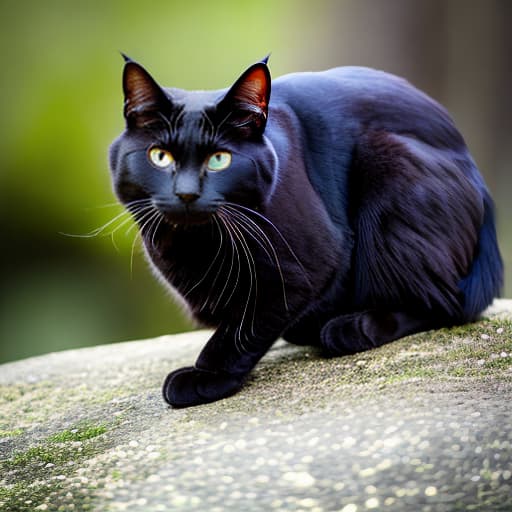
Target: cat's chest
233, 271
214, 271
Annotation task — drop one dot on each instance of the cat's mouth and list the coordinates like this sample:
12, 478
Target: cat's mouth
187, 219
185, 214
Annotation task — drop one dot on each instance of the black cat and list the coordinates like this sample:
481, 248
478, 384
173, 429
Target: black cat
345, 211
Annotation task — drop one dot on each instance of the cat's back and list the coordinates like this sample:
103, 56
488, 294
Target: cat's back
349, 79
346, 86
355, 98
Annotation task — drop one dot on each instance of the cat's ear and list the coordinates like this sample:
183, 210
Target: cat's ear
245, 106
144, 99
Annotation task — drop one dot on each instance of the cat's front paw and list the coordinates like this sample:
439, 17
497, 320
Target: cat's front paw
192, 386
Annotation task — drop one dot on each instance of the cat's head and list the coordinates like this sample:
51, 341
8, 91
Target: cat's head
188, 152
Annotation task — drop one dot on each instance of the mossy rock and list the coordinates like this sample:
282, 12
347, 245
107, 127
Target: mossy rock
421, 424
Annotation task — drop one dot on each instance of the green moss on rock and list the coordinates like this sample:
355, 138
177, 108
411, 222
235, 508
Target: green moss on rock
95, 427
78, 434
34, 474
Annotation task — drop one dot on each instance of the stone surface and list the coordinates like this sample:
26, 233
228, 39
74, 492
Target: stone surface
422, 424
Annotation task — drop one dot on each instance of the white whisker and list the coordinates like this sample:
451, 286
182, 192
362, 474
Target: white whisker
235, 249
253, 279
160, 218
257, 233
230, 268
149, 219
104, 230
135, 238
140, 216
270, 223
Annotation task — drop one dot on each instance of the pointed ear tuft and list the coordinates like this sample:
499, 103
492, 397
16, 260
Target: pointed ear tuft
265, 59
143, 97
252, 88
125, 57
246, 102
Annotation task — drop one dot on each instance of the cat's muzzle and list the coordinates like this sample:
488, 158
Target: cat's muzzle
185, 210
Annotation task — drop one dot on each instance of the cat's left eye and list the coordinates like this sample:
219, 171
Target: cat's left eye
160, 158
219, 161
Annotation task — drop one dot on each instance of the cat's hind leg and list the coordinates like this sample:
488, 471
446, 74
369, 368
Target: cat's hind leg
359, 331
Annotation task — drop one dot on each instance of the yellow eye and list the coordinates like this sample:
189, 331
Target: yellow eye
160, 158
219, 161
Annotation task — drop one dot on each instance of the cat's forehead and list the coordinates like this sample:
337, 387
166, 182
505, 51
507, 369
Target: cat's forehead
193, 101
192, 126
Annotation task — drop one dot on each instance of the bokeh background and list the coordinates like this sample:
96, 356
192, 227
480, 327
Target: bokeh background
61, 105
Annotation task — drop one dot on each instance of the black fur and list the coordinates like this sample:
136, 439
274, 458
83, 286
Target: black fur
351, 214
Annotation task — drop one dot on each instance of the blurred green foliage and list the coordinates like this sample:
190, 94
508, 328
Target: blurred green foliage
61, 106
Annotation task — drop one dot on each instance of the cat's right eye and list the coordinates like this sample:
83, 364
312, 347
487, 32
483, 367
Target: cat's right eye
160, 158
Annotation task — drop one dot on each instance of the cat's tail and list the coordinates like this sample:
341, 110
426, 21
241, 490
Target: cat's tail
485, 279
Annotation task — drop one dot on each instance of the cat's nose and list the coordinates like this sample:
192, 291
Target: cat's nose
187, 198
